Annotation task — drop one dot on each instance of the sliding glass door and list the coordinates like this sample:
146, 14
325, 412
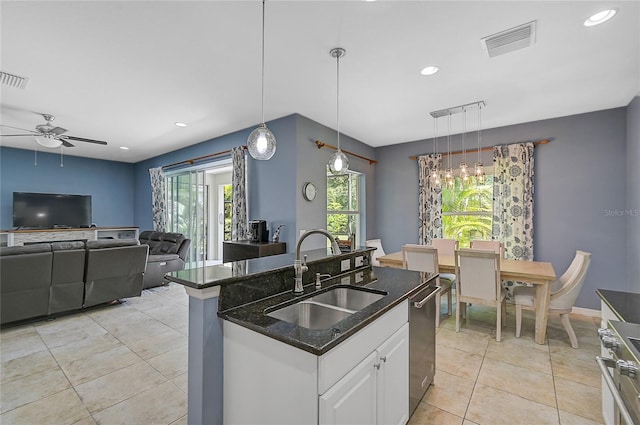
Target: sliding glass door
198, 206
188, 211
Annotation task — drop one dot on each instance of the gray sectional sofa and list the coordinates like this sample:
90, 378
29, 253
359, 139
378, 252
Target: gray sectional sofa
49, 278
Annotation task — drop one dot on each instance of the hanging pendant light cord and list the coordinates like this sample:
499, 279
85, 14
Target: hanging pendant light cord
262, 83
464, 135
338, 95
449, 142
479, 136
435, 135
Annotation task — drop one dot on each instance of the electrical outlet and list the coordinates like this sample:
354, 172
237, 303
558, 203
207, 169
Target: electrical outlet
345, 265
359, 277
359, 261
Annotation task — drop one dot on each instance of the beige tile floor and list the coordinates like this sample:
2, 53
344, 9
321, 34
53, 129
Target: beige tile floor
515, 381
127, 364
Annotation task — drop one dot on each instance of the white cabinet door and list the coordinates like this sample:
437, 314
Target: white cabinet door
352, 400
393, 379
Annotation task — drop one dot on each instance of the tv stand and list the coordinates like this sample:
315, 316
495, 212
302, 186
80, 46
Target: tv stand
26, 236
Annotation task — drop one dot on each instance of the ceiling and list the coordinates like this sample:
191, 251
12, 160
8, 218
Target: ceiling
126, 71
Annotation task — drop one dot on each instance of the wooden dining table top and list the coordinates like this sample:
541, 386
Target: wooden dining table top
522, 270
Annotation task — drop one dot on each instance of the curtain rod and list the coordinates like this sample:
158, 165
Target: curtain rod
488, 148
320, 144
199, 158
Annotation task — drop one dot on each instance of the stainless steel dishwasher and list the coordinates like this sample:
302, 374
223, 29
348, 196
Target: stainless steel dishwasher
422, 344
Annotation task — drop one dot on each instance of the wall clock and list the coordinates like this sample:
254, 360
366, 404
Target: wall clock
309, 191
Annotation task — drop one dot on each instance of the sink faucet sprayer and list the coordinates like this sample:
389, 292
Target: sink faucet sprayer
299, 267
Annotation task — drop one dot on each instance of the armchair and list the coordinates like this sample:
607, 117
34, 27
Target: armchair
167, 253
564, 293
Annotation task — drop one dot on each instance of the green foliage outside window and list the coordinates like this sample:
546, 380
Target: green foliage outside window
343, 199
467, 210
228, 205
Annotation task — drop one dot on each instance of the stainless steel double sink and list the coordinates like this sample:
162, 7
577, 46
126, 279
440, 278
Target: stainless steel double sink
325, 309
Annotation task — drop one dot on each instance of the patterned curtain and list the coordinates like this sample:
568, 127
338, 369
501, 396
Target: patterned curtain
158, 199
430, 200
239, 200
513, 201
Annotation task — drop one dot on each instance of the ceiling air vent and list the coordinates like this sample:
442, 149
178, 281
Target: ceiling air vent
510, 40
13, 80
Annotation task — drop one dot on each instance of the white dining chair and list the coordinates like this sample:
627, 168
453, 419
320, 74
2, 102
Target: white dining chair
424, 258
564, 292
379, 252
495, 246
445, 246
479, 283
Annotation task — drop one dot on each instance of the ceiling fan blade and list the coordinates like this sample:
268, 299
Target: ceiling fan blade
80, 139
15, 135
58, 131
67, 144
18, 128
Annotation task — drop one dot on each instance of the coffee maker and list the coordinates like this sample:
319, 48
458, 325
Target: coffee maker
258, 231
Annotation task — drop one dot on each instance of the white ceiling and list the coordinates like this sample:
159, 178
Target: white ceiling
125, 71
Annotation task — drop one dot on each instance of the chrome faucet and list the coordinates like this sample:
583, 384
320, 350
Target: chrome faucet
299, 267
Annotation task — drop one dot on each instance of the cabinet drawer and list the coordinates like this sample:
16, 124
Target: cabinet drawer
336, 363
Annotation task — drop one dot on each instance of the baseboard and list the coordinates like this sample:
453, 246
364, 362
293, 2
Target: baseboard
586, 311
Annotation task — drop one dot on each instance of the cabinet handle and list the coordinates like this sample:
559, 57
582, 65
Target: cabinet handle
420, 304
383, 358
377, 366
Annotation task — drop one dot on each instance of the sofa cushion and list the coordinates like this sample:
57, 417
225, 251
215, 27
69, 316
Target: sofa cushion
64, 246
157, 258
111, 243
161, 243
26, 249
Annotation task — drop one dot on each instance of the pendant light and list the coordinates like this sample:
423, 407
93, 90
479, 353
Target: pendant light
449, 178
479, 168
434, 176
464, 168
261, 142
338, 163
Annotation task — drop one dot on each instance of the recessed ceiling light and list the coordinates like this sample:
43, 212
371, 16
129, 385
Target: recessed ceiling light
600, 17
429, 70
181, 124
124, 148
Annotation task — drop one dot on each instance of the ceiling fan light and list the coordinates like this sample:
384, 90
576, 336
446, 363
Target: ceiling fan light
48, 142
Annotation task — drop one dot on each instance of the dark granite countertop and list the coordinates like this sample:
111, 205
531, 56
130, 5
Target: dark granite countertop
399, 285
236, 271
625, 305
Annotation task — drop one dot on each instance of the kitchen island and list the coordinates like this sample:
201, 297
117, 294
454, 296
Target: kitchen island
227, 310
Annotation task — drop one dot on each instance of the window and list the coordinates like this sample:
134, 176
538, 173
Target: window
227, 191
467, 211
343, 204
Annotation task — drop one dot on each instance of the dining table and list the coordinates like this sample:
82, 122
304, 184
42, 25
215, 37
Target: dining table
539, 273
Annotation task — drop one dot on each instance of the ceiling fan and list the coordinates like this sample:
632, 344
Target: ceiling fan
50, 136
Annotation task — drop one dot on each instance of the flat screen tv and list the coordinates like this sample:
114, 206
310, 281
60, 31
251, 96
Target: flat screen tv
49, 210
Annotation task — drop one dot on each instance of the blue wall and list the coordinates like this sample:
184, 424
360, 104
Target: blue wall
275, 186
580, 176
109, 183
633, 195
